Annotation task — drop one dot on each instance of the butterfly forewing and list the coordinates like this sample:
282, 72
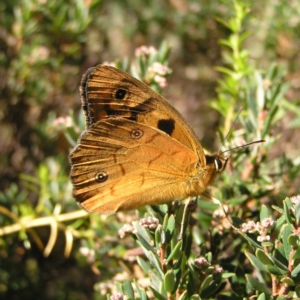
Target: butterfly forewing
107, 92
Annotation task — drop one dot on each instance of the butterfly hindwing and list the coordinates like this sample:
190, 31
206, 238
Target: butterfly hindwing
129, 157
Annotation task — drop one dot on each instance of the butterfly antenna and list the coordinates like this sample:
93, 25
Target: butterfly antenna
231, 127
243, 146
238, 147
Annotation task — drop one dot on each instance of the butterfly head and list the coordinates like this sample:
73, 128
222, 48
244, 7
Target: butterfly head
215, 164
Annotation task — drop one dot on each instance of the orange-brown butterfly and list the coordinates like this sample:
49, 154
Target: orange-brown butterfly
137, 149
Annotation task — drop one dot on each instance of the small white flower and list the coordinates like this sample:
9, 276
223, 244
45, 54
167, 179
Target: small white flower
88, 253
267, 223
64, 121
250, 227
201, 262
108, 63
262, 238
158, 68
117, 296
144, 50
295, 199
161, 81
150, 222
127, 228
218, 270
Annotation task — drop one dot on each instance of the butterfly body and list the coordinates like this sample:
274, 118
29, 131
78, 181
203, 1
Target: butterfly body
137, 149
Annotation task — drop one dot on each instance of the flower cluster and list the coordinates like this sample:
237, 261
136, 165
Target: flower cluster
145, 51
262, 228
88, 253
63, 122
201, 262
117, 296
38, 54
108, 63
157, 72
295, 199
150, 223
127, 228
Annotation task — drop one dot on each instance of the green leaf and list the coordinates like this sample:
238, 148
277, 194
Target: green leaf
266, 244
156, 294
206, 205
156, 263
262, 296
288, 281
212, 288
195, 297
165, 222
141, 292
206, 282
268, 260
237, 222
146, 245
279, 222
183, 262
296, 271
279, 264
164, 52
275, 270
287, 215
268, 121
296, 254
183, 296
277, 208
297, 213
263, 257
284, 234
293, 240
127, 289
254, 285
159, 240
143, 264
169, 281
227, 275
297, 290
251, 241
279, 92
143, 232
170, 228
175, 254
264, 212
256, 262
119, 287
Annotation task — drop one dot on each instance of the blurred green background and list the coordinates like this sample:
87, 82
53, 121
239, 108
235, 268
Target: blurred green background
46, 46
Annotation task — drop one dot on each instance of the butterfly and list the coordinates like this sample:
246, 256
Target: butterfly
136, 149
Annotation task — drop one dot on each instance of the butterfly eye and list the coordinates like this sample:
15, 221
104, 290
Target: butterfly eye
101, 176
136, 133
120, 94
219, 164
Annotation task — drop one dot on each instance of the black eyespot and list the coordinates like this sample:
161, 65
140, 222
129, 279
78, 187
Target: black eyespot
120, 94
136, 133
101, 176
166, 126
